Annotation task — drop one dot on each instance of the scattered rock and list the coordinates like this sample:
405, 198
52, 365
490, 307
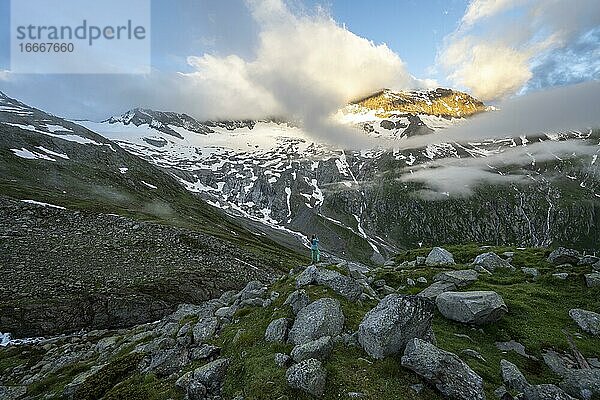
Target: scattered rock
545, 392
420, 261
473, 354
410, 282
212, 375
339, 283
252, 290
593, 279
204, 352
417, 388
555, 362
460, 278
12, 392
205, 329
226, 312
513, 346
320, 318
195, 390
582, 383
588, 260
491, 262
588, 321
319, 349
389, 326
596, 266
563, 255
166, 362
297, 300
480, 307
448, 373
435, 289
512, 377
422, 280
594, 362
502, 394
306, 277
533, 272
439, 257
282, 360
355, 395
561, 275
308, 376
277, 331
514, 380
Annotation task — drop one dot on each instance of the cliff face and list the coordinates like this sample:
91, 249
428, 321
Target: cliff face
439, 102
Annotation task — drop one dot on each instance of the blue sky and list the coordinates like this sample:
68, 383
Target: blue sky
413, 29
242, 58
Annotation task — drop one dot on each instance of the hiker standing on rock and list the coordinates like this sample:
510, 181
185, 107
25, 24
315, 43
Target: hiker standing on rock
314, 249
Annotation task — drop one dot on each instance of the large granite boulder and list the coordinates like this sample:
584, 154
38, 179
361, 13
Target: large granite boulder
460, 278
491, 262
448, 373
439, 257
308, 376
339, 283
320, 318
397, 319
277, 331
564, 256
480, 307
319, 349
588, 321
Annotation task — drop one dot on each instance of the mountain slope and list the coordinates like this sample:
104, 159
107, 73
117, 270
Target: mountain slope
75, 181
363, 203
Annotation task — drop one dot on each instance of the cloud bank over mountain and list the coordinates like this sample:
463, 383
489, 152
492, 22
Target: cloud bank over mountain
305, 65
506, 47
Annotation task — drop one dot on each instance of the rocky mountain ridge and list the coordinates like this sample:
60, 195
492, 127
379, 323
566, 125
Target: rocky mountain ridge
442, 102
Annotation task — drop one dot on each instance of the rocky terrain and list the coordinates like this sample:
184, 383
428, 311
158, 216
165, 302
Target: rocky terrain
465, 322
441, 102
64, 270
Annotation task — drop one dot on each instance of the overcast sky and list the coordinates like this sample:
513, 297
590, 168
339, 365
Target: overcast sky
237, 58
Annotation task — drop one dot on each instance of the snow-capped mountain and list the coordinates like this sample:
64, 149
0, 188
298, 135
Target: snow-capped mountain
170, 122
277, 174
50, 161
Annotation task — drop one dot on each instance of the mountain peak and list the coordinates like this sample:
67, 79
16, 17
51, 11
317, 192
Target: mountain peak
441, 102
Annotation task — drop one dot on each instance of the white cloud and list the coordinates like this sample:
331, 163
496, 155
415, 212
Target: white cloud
460, 176
4, 75
481, 9
560, 109
495, 54
305, 67
490, 70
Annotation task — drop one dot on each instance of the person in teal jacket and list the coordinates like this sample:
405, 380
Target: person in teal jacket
314, 249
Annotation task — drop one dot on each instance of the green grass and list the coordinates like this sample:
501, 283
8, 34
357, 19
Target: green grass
147, 387
538, 314
538, 318
54, 384
108, 376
